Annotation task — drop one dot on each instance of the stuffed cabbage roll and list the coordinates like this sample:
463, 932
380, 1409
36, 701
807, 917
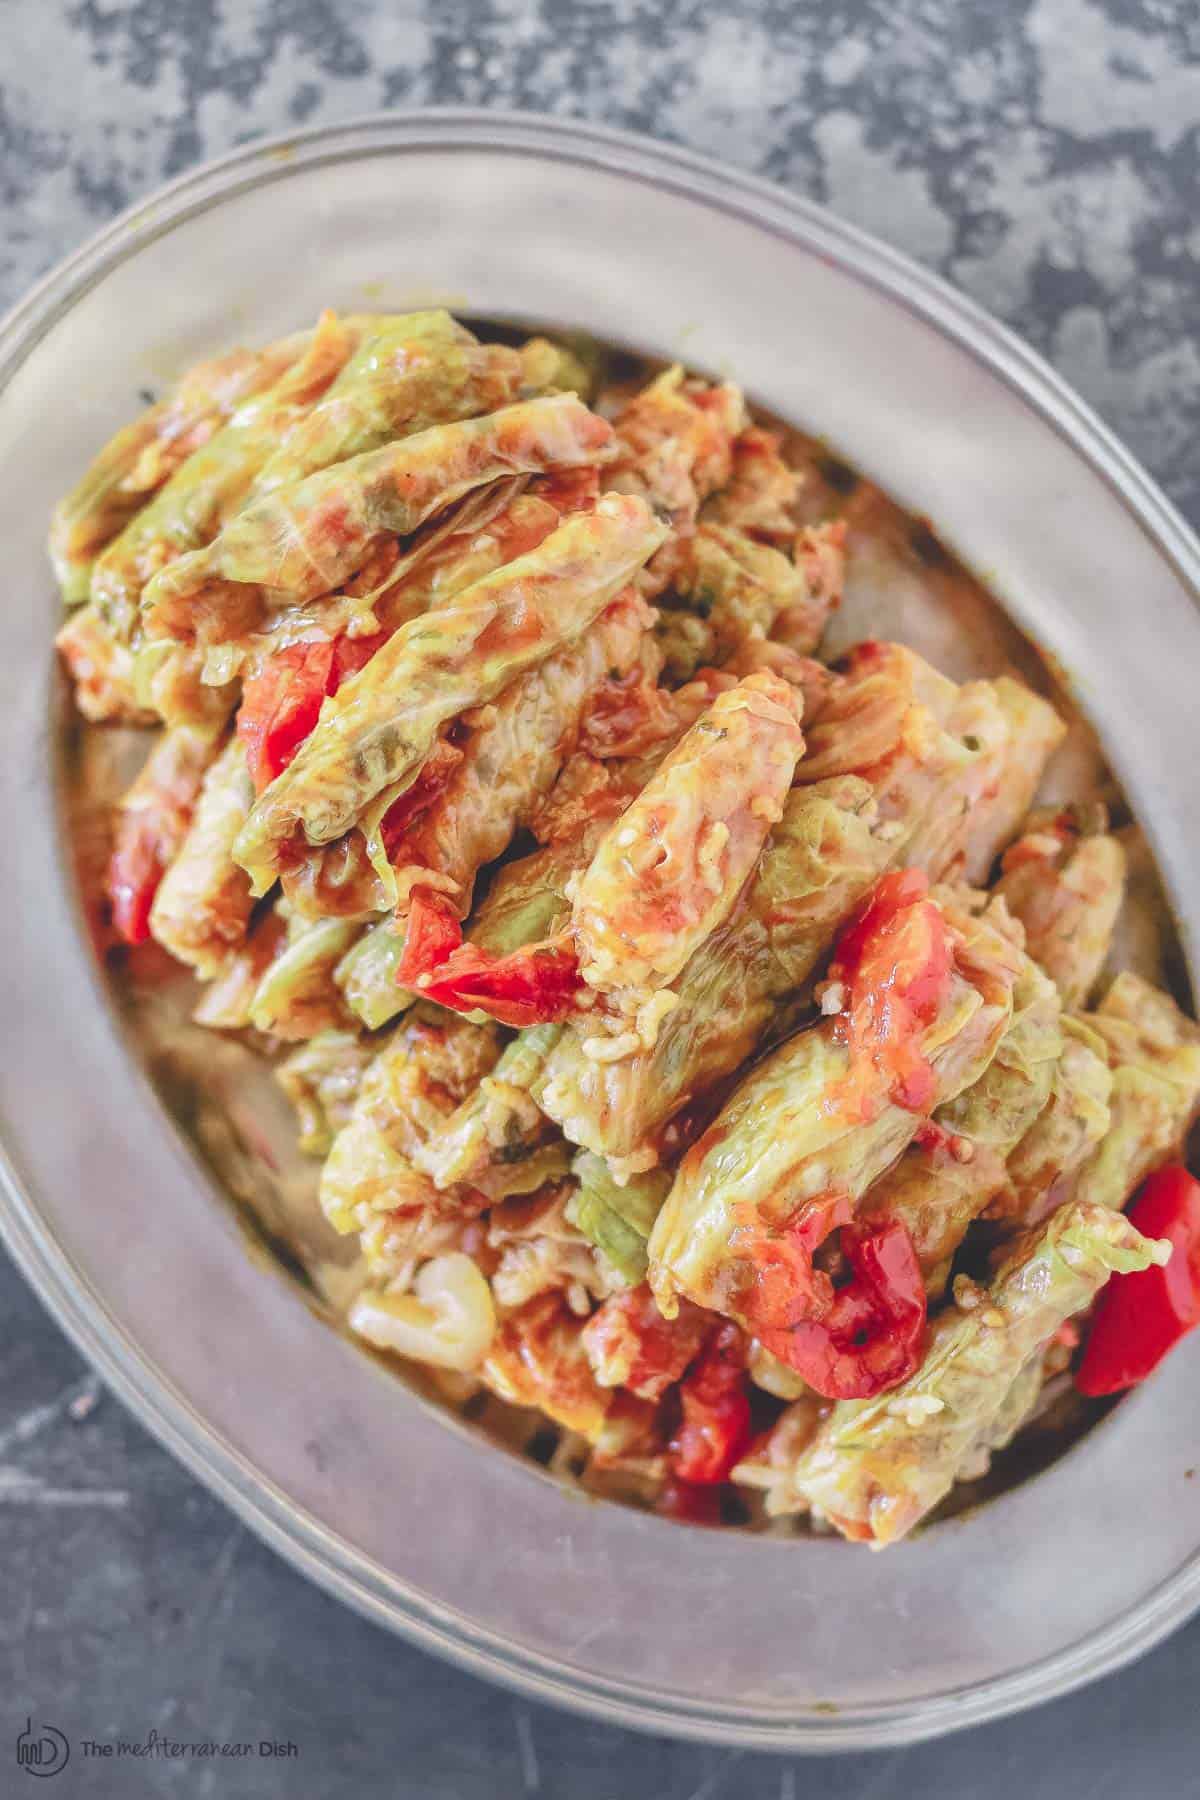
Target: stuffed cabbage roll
152, 823
378, 729
511, 754
144, 454
225, 1000
920, 781
875, 1468
426, 1068
943, 1182
1154, 1053
306, 539
1066, 884
495, 1139
671, 868
674, 448
321, 1078
474, 792
730, 589
1035, 732
1075, 1118
618, 1217
760, 496
675, 443
396, 584
212, 484
102, 671
404, 371
368, 974
203, 904
296, 996
820, 1119
172, 679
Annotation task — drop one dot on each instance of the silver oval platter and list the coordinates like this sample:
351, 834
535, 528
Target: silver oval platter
122, 1126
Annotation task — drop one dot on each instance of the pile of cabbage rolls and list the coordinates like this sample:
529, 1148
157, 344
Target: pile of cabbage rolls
702, 1042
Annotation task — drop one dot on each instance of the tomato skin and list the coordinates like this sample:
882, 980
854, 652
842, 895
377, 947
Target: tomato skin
715, 1428
134, 873
893, 962
847, 1342
786, 1289
1140, 1317
689, 1501
151, 824
434, 933
282, 702
531, 986
280, 707
872, 1335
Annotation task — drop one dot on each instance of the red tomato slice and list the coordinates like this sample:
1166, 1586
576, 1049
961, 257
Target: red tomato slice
786, 1288
434, 933
134, 873
1140, 1317
714, 1430
531, 986
689, 1501
893, 961
869, 1336
281, 704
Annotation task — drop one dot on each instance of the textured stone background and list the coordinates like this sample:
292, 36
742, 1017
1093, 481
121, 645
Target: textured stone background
1042, 154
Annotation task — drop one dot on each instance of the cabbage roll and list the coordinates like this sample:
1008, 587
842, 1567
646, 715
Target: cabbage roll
1066, 885
102, 671
306, 539
498, 1129
919, 784
941, 1184
511, 757
144, 454
212, 484
405, 370
1154, 1053
617, 1217
728, 590
675, 448
367, 974
669, 871
203, 905
816, 1119
378, 729
321, 1078
1075, 1118
426, 1068
760, 496
1035, 732
226, 999
875, 1468
152, 822
296, 997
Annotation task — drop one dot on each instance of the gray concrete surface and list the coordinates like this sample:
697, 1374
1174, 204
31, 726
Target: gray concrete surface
1042, 154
